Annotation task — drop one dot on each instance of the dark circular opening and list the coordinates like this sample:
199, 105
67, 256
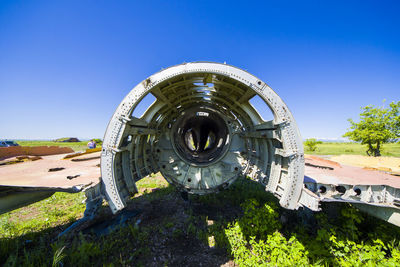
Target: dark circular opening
341, 189
322, 189
189, 180
358, 191
200, 136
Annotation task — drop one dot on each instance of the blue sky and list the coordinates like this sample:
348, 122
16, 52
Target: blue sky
66, 65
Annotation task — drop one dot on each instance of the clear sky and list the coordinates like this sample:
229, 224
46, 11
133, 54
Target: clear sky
66, 65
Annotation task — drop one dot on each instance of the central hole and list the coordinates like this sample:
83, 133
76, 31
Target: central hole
200, 136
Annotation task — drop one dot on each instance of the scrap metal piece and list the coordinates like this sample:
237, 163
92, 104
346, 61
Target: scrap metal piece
94, 199
372, 191
14, 197
25, 183
36, 173
319, 166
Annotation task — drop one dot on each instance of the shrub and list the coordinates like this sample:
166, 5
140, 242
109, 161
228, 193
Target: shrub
254, 240
311, 144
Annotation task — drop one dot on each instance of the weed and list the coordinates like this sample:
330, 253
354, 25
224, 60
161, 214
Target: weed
58, 256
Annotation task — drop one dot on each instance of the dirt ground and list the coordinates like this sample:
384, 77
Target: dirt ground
166, 218
390, 164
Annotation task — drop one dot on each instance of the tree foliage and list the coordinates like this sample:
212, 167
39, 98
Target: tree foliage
376, 127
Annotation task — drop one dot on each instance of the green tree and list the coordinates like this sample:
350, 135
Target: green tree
311, 144
395, 122
376, 127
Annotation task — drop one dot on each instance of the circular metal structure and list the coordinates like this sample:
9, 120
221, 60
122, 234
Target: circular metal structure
200, 136
201, 133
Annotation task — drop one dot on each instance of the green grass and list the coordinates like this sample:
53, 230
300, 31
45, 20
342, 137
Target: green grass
243, 224
26, 234
58, 209
76, 146
332, 148
326, 148
149, 183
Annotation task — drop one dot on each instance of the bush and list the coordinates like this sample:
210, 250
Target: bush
311, 144
254, 239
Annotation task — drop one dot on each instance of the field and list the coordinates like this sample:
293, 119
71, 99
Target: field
326, 148
333, 148
76, 146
